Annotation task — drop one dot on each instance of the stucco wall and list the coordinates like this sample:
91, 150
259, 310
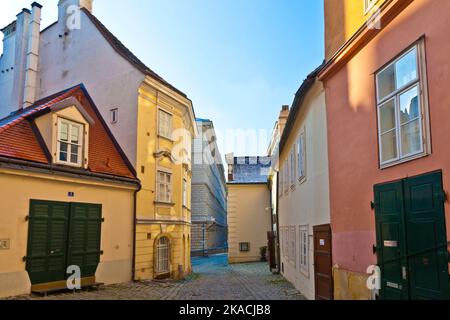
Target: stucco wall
352, 124
84, 56
19, 187
248, 220
307, 204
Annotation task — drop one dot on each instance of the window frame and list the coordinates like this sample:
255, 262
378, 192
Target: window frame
303, 233
114, 115
80, 145
168, 185
292, 165
301, 152
421, 83
160, 124
369, 5
185, 193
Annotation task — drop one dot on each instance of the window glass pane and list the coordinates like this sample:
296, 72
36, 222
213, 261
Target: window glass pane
409, 105
387, 116
64, 131
406, 69
75, 132
389, 146
386, 82
411, 138
74, 154
63, 150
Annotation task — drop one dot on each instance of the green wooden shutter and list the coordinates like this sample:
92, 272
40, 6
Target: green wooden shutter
47, 241
426, 237
85, 237
391, 241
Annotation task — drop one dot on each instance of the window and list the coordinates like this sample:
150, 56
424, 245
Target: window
292, 245
163, 255
301, 156
70, 139
292, 167
244, 247
185, 193
368, 5
304, 249
286, 176
281, 175
165, 124
400, 110
164, 187
114, 115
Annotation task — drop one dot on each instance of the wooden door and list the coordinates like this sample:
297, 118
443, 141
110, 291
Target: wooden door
323, 268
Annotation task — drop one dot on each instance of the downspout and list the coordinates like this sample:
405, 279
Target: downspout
277, 238
133, 270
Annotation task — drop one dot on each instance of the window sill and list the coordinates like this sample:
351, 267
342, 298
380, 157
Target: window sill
165, 138
162, 203
402, 161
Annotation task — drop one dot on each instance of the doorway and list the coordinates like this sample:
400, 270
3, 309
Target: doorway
323, 268
162, 258
411, 238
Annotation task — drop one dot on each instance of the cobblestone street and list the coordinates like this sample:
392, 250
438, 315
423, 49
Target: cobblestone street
213, 279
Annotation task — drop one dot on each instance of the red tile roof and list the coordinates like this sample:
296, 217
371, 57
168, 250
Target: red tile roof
18, 140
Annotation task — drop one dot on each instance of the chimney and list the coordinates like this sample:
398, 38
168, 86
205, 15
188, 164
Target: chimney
32, 56
282, 119
64, 6
230, 161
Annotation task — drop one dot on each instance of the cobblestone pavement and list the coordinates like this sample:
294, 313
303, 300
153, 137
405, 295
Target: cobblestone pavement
213, 279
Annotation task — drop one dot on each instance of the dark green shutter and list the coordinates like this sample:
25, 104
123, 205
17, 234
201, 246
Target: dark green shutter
426, 237
47, 241
85, 237
391, 245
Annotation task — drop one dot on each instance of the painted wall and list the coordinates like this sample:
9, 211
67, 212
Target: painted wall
342, 19
18, 187
352, 132
248, 220
111, 81
307, 202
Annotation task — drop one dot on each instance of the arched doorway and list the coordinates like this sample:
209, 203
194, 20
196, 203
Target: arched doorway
162, 257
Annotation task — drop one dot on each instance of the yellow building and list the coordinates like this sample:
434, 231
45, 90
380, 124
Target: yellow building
248, 208
67, 197
164, 166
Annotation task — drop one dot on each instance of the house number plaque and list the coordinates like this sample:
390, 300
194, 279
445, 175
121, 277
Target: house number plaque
5, 244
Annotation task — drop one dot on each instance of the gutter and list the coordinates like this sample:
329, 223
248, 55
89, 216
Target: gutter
48, 168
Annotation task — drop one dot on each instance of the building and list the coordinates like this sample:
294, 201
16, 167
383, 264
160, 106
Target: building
248, 207
389, 157
148, 116
303, 205
209, 199
63, 179
273, 152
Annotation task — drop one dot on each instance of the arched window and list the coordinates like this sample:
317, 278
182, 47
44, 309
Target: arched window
162, 255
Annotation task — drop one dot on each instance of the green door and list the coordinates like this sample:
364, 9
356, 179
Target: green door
391, 242
85, 237
47, 241
61, 235
411, 238
426, 237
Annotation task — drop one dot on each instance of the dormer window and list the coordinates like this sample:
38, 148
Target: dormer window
70, 143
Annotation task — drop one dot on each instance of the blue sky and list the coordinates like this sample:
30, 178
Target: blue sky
238, 60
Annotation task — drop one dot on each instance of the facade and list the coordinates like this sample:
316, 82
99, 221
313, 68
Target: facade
209, 199
148, 116
388, 150
303, 208
63, 178
248, 207
273, 153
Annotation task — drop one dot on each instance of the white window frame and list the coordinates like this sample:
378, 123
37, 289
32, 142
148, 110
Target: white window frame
301, 156
80, 145
420, 83
286, 176
165, 132
162, 256
292, 166
293, 246
167, 184
303, 240
368, 5
185, 193
281, 181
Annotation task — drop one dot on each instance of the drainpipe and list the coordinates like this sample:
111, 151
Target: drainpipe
277, 238
133, 270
